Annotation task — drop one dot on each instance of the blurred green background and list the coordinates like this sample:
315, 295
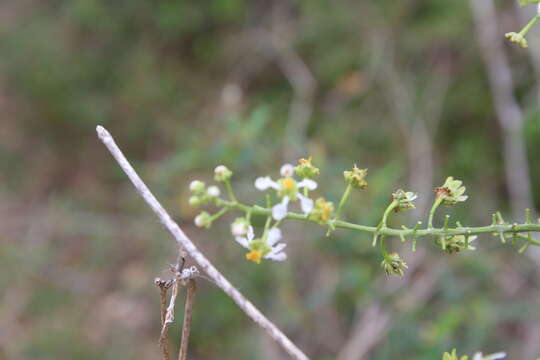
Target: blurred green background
399, 87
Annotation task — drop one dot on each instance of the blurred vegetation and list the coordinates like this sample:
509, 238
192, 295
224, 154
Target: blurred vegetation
185, 86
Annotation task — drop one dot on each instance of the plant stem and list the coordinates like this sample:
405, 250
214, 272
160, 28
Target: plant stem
390, 207
343, 200
230, 192
436, 204
494, 228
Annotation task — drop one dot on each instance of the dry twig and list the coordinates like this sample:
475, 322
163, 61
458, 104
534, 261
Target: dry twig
186, 327
186, 244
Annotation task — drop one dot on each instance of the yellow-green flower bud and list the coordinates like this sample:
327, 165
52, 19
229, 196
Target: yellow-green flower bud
456, 243
204, 219
393, 264
322, 212
356, 177
197, 187
195, 201
213, 191
222, 173
305, 169
517, 38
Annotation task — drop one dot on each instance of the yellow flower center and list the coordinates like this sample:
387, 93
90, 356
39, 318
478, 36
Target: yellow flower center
326, 212
288, 183
255, 256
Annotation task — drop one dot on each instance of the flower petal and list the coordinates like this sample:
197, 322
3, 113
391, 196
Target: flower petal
242, 241
279, 211
277, 253
274, 235
305, 203
264, 183
496, 356
287, 170
250, 234
308, 183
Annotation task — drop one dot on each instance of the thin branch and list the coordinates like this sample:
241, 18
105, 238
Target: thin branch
186, 327
186, 244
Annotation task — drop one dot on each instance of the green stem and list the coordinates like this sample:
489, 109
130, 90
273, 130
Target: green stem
219, 213
436, 204
344, 198
230, 191
390, 207
528, 27
494, 228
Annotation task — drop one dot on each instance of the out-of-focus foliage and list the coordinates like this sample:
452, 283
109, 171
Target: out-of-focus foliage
187, 85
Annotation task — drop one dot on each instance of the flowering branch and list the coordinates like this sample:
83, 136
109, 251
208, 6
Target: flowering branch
186, 244
287, 189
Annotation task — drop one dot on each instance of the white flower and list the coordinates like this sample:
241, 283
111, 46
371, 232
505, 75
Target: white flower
268, 249
495, 356
288, 190
213, 191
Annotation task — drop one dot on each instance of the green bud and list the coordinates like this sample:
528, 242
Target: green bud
322, 212
195, 201
356, 177
222, 173
213, 191
456, 243
393, 264
517, 38
197, 187
204, 219
305, 169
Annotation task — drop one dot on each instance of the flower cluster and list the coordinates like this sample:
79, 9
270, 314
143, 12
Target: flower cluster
294, 186
287, 190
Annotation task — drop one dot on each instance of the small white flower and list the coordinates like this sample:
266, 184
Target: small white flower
287, 170
273, 249
213, 191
